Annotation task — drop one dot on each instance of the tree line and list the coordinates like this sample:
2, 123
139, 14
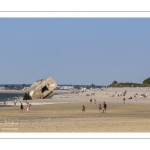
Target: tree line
146, 83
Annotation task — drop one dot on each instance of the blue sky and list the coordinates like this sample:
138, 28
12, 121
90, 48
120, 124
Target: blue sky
74, 50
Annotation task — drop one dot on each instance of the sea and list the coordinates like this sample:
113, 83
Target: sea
9, 96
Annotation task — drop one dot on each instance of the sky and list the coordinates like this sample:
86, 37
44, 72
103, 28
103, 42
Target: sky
78, 51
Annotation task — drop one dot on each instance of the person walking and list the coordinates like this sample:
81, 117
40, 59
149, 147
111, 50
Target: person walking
21, 107
90, 100
124, 100
4, 102
100, 107
104, 105
28, 107
83, 109
15, 102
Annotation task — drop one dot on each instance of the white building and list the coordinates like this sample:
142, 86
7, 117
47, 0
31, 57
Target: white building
2, 88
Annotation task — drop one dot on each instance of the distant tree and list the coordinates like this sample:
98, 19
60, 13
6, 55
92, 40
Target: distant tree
92, 85
114, 82
77, 87
23, 85
146, 81
6, 87
12, 87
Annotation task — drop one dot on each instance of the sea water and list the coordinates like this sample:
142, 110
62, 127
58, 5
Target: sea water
10, 96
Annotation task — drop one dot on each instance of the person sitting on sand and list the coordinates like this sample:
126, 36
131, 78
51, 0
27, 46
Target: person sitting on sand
83, 108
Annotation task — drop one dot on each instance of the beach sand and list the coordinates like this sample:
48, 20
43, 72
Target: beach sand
63, 113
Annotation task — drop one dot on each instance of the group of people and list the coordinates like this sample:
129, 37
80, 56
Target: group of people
94, 101
92, 94
103, 107
28, 107
15, 102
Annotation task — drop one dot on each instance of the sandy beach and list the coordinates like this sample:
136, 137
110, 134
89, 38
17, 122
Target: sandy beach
63, 113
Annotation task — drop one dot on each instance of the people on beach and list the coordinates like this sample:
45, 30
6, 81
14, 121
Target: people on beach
21, 107
100, 107
28, 107
104, 105
94, 101
83, 108
124, 100
15, 102
4, 102
90, 100
130, 97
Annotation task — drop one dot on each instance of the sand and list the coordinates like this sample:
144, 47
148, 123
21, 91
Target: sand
63, 113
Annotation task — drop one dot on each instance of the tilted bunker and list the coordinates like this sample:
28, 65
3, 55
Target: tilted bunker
41, 89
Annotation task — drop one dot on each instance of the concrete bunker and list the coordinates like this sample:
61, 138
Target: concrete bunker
41, 89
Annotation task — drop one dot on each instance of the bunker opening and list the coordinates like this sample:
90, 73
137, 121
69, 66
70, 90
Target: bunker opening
44, 89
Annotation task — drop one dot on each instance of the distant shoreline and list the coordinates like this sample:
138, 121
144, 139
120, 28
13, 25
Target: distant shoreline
12, 91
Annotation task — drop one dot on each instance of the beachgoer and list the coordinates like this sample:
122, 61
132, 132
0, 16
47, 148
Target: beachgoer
124, 100
83, 108
28, 107
100, 107
104, 105
21, 107
145, 95
91, 100
94, 101
4, 102
15, 102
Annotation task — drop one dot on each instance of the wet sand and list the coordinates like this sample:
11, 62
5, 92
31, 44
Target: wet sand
63, 113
